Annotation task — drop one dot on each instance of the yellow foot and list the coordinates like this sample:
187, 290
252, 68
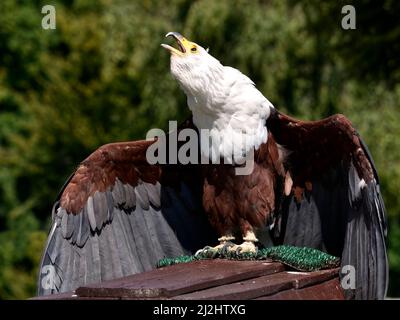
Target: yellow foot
212, 251
208, 251
245, 247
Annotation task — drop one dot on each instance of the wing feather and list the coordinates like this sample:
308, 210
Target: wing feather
343, 213
112, 219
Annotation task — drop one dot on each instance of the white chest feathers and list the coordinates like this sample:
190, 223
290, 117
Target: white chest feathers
231, 115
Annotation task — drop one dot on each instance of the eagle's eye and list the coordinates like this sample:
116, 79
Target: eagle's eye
193, 49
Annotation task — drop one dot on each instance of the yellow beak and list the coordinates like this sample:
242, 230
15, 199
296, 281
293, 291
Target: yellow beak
183, 44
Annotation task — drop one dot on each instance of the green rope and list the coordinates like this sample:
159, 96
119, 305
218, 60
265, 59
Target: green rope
302, 259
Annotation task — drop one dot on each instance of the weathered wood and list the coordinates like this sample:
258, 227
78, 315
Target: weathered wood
261, 286
215, 279
304, 279
58, 296
180, 279
71, 295
328, 290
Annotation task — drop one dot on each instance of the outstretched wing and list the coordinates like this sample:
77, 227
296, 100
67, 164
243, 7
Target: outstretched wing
118, 215
335, 203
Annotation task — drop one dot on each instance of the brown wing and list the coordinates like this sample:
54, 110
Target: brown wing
335, 203
118, 215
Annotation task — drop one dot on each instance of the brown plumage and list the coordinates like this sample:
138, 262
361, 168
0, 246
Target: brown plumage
241, 203
232, 202
309, 163
318, 145
125, 161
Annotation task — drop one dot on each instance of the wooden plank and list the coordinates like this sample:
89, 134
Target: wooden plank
308, 278
57, 296
180, 279
261, 286
70, 296
328, 290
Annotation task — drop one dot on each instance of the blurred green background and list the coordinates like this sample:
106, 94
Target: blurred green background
101, 76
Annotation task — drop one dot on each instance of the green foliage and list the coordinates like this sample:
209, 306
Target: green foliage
101, 76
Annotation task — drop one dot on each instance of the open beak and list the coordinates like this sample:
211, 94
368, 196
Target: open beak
183, 44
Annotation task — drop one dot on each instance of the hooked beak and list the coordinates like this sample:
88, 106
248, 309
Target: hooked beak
183, 44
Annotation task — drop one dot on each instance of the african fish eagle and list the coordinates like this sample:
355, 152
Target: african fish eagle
313, 184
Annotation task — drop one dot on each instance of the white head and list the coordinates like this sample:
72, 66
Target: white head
222, 100
192, 66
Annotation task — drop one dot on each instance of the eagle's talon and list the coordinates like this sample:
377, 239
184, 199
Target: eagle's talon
226, 248
202, 251
223, 248
207, 252
245, 247
228, 245
238, 250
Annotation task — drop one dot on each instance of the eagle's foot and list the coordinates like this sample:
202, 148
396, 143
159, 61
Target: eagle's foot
210, 252
248, 245
245, 247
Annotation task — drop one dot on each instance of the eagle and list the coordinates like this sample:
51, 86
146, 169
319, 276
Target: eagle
311, 184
